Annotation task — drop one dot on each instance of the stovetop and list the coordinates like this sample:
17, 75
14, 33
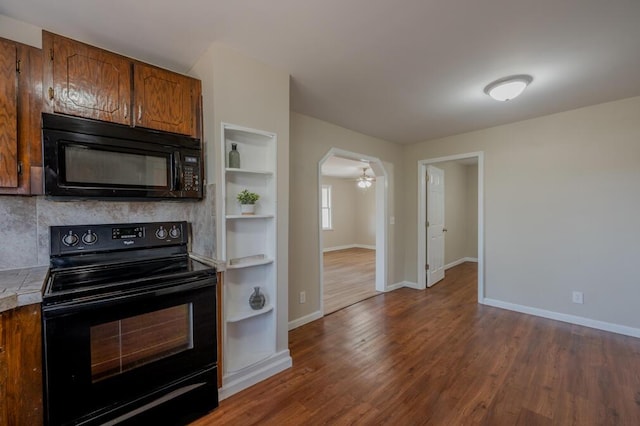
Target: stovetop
91, 261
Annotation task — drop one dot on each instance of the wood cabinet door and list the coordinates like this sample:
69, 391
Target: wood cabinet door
20, 111
89, 82
164, 100
8, 115
23, 348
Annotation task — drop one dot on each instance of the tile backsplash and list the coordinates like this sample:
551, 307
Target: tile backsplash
25, 221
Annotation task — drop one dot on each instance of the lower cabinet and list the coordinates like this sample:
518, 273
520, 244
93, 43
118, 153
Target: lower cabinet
21, 367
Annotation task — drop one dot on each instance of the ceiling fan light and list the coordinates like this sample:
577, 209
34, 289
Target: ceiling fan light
365, 181
508, 88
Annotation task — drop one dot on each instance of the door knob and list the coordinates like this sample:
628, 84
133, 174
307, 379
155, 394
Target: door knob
444, 229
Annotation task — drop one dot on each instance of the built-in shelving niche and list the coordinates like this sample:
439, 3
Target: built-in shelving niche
249, 250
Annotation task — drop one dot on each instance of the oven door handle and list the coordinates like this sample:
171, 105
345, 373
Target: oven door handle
105, 301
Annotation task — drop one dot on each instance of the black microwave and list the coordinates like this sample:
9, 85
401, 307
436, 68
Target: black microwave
85, 158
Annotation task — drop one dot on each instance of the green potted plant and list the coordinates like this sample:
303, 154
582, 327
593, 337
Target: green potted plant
247, 201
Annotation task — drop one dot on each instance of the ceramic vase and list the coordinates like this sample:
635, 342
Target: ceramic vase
234, 157
257, 299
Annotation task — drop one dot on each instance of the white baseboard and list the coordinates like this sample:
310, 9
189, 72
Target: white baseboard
459, 261
240, 381
304, 320
409, 284
394, 286
336, 248
348, 246
571, 319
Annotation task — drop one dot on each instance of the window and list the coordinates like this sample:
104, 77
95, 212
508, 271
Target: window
326, 207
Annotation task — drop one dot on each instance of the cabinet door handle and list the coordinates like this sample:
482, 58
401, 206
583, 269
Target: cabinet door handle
50, 93
140, 112
125, 111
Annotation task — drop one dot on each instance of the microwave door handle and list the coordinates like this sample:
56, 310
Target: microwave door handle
177, 171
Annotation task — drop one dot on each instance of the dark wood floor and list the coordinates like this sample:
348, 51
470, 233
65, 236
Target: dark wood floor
437, 357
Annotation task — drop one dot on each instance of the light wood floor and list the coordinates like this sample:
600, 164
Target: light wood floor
349, 277
436, 357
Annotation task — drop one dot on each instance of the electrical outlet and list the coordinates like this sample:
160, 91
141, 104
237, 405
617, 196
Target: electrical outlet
303, 297
578, 297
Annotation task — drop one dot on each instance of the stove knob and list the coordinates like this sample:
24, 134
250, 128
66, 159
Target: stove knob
161, 233
174, 232
89, 237
70, 239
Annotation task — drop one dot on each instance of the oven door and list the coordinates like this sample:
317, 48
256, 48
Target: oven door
107, 358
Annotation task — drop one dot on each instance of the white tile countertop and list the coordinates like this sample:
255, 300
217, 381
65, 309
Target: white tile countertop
20, 287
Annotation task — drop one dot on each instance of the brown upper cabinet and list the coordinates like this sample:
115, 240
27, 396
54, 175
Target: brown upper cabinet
20, 105
9, 114
86, 81
165, 100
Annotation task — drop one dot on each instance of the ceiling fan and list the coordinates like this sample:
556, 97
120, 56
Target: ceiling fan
365, 181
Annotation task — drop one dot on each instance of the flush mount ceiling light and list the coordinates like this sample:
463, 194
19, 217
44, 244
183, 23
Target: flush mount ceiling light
365, 181
508, 88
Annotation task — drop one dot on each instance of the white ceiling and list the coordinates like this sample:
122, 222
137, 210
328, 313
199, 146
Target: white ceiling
344, 168
403, 71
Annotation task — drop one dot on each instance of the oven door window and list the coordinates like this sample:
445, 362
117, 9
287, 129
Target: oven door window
84, 165
126, 344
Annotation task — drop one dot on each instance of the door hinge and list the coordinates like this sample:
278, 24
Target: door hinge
18, 64
427, 224
426, 267
51, 54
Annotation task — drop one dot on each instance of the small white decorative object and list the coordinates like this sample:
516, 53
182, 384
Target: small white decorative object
247, 209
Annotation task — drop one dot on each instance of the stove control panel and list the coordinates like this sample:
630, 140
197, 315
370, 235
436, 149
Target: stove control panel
109, 237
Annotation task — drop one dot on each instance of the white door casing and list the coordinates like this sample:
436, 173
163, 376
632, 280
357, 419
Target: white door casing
420, 283
435, 225
382, 217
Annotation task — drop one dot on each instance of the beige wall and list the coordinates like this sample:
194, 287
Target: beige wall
561, 205
353, 211
365, 209
242, 91
311, 140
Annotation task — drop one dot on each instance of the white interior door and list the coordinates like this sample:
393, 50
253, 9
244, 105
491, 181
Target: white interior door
435, 225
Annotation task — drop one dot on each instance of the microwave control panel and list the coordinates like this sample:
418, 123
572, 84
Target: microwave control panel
191, 170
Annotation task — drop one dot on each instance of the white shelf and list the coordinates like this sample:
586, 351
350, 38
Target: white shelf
249, 264
249, 216
241, 316
249, 337
249, 171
